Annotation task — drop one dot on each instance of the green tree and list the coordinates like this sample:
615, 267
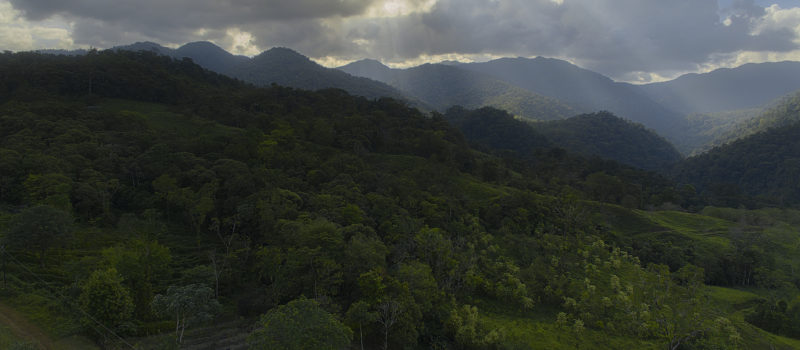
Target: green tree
39, 228
300, 324
468, 331
190, 305
49, 189
107, 301
362, 253
141, 263
678, 304
359, 315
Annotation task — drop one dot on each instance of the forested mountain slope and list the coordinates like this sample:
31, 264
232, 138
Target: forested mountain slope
605, 135
781, 112
764, 165
708, 130
497, 129
748, 86
281, 66
444, 86
132, 182
600, 135
587, 91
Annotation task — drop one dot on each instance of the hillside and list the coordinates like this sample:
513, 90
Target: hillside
608, 136
587, 91
444, 86
708, 130
764, 165
601, 135
727, 89
210, 56
131, 183
278, 65
286, 67
781, 112
497, 130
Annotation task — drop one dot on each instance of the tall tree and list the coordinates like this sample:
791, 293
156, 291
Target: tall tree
300, 324
190, 305
107, 301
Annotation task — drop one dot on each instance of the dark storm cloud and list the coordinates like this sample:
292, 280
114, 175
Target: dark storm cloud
613, 36
213, 11
314, 38
616, 37
100, 22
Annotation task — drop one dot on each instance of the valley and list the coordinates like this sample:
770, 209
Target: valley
511, 204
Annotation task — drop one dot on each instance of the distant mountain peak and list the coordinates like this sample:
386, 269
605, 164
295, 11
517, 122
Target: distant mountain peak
202, 44
369, 62
283, 55
280, 50
143, 46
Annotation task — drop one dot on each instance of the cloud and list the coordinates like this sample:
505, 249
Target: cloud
626, 39
777, 19
217, 11
103, 23
17, 34
613, 36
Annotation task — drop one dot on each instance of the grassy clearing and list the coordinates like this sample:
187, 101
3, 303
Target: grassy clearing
731, 299
537, 330
689, 223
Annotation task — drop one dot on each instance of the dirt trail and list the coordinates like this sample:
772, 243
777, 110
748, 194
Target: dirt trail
22, 328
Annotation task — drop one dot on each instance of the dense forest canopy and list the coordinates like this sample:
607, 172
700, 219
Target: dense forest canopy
605, 135
142, 195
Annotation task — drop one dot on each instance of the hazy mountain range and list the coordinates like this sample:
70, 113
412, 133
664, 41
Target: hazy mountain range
443, 86
536, 89
280, 66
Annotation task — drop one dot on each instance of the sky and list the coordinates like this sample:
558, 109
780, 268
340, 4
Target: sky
628, 40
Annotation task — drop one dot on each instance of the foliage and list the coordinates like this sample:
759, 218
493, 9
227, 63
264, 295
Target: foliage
779, 113
604, 180
106, 301
359, 316
190, 305
39, 228
300, 324
778, 317
382, 214
754, 171
469, 332
141, 263
607, 136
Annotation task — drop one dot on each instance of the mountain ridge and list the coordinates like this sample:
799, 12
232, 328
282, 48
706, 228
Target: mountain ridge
271, 66
537, 88
725, 89
587, 90
443, 86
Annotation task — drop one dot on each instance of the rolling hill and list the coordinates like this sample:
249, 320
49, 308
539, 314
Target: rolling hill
761, 159
587, 91
600, 135
443, 86
607, 136
281, 66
